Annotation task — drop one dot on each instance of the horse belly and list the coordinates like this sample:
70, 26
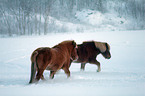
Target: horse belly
54, 67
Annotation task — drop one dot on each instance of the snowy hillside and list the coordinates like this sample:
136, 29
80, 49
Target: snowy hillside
107, 21
122, 75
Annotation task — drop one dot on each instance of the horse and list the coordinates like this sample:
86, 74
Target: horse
53, 59
89, 50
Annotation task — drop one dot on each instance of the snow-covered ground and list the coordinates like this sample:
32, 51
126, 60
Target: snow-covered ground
122, 75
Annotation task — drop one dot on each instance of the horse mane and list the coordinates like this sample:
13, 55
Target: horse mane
107, 46
64, 43
102, 46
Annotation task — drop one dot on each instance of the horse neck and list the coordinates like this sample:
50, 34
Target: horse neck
67, 49
98, 52
62, 48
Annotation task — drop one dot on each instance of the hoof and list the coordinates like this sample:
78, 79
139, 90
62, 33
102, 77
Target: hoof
98, 70
82, 70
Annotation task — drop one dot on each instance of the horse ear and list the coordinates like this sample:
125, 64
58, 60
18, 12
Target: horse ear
73, 43
107, 46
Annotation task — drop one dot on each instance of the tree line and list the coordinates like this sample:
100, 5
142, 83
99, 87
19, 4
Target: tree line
28, 17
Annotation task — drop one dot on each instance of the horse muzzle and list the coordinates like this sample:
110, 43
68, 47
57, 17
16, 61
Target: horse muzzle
108, 57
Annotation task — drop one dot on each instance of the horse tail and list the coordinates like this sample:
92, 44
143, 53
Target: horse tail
34, 66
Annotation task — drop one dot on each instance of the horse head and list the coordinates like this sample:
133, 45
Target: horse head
104, 49
74, 55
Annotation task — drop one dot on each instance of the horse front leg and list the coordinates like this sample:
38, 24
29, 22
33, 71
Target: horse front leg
96, 63
42, 77
52, 74
66, 70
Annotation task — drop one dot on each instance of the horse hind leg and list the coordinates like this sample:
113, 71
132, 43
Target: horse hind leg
41, 68
53, 71
83, 66
39, 74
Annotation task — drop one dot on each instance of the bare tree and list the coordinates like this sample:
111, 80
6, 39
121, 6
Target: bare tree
6, 18
46, 13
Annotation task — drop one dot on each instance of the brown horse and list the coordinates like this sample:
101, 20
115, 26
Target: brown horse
53, 59
89, 50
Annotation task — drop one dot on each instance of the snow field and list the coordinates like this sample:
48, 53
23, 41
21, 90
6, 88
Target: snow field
122, 75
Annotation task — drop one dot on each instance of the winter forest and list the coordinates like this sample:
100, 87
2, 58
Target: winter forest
41, 17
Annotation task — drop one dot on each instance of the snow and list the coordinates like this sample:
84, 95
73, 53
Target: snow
122, 75
90, 16
105, 21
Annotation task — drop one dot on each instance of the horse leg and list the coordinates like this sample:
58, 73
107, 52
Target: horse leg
39, 74
42, 77
52, 74
70, 62
96, 63
83, 66
66, 70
